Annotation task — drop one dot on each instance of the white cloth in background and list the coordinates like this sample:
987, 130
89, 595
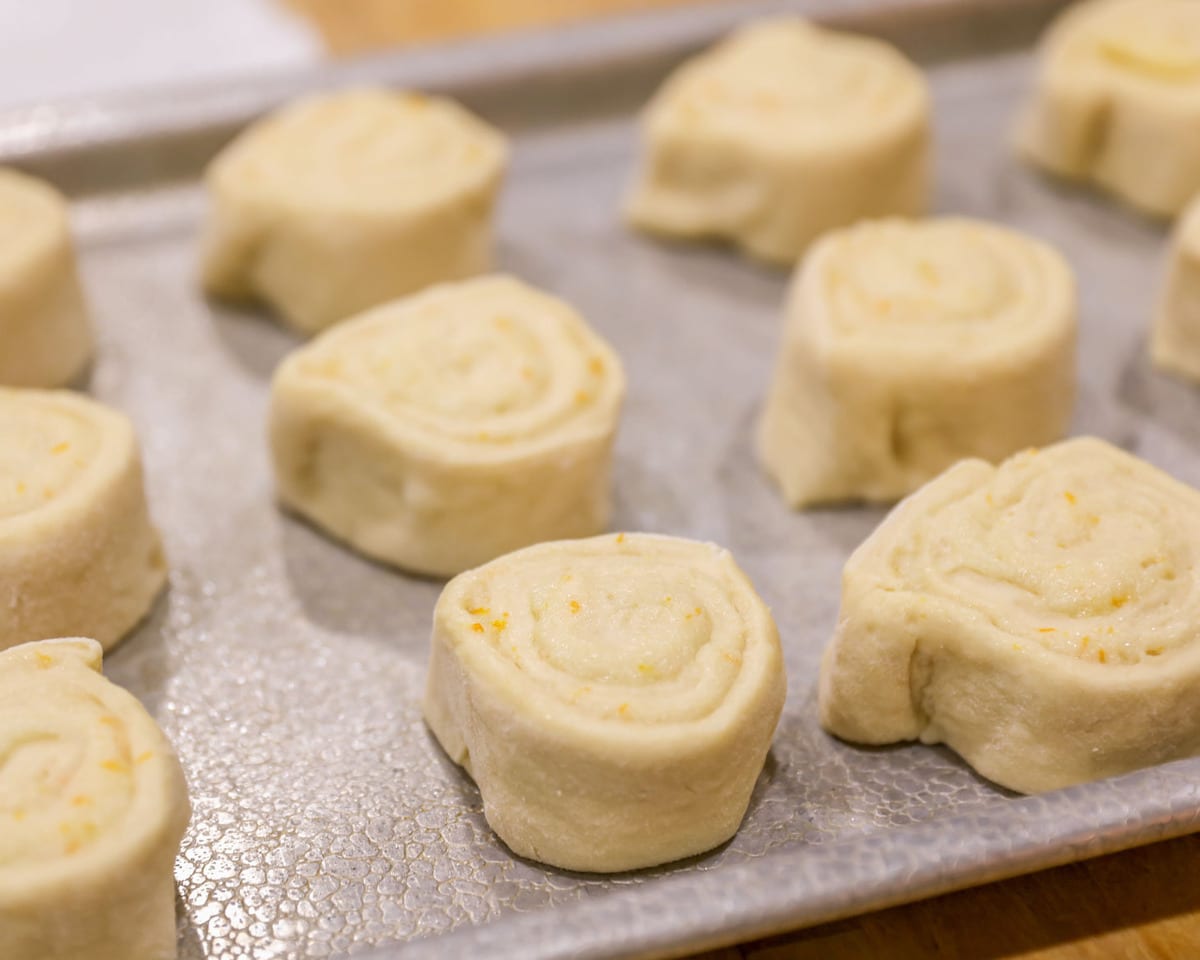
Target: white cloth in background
52, 49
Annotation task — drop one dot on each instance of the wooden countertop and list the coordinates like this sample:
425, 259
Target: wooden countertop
1142, 905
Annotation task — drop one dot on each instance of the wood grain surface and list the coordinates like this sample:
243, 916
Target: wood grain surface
1143, 904
355, 26
1140, 905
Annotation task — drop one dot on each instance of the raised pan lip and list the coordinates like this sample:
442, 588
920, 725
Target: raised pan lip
678, 914
39, 129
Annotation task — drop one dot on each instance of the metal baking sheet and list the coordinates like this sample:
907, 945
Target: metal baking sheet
288, 671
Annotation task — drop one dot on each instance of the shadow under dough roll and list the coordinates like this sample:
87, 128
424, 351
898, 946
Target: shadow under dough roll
1041, 618
614, 698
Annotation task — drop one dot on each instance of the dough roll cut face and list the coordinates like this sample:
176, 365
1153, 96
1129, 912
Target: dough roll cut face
45, 338
1175, 341
341, 202
614, 698
440, 431
78, 552
1041, 618
93, 806
1117, 101
780, 133
908, 345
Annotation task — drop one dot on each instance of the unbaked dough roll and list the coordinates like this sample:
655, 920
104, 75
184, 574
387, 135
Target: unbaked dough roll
344, 201
438, 432
78, 553
93, 806
1118, 101
614, 698
1041, 618
908, 345
780, 133
45, 340
1175, 342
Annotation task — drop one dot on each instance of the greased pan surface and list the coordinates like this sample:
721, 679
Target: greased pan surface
289, 672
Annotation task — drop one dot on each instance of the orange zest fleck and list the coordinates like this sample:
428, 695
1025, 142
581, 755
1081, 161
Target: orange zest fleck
114, 766
620, 538
1119, 600
144, 756
477, 627
18, 814
477, 611
60, 448
575, 607
81, 800
1070, 497
1154, 651
623, 709
500, 625
596, 366
582, 397
44, 660
1102, 657
1045, 629
110, 721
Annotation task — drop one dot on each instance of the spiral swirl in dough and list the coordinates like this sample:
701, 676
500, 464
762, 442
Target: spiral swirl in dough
78, 552
783, 132
443, 430
908, 345
1039, 617
341, 202
93, 805
614, 698
45, 338
1118, 101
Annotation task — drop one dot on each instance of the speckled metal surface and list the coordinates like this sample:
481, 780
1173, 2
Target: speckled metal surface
289, 672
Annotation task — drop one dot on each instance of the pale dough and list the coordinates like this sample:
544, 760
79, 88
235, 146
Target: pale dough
78, 553
614, 698
1117, 101
344, 201
45, 338
440, 431
908, 345
780, 133
1175, 342
93, 805
1041, 618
